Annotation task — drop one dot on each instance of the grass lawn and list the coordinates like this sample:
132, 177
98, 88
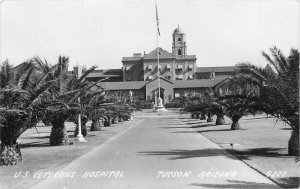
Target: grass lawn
261, 143
39, 155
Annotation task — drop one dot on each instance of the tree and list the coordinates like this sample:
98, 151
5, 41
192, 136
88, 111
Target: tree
237, 106
119, 107
89, 104
182, 101
20, 106
236, 98
206, 104
63, 99
220, 111
279, 89
95, 115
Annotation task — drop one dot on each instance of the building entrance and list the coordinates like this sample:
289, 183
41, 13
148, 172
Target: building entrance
161, 95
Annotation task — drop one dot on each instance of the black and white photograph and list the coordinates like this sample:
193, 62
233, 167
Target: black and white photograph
149, 94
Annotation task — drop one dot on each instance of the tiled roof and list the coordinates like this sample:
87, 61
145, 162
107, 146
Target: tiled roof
123, 85
163, 54
131, 85
215, 69
106, 73
198, 83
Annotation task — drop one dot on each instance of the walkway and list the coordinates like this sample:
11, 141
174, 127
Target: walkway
160, 152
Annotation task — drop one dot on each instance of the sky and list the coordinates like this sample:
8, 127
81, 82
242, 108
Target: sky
101, 32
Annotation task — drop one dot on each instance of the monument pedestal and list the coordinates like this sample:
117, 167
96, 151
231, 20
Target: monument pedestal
160, 107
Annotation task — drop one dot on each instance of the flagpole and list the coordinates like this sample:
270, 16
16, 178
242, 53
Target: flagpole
159, 106
158, 78
157, 52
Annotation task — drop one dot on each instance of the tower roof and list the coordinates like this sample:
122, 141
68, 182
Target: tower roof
178, 30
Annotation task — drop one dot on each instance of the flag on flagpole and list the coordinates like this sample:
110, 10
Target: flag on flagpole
157, 21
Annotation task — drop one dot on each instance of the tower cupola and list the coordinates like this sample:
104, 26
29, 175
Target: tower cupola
179, 42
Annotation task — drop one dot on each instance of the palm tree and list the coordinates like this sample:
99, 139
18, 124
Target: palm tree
237, 106
182, 101
90, 101
63, 99
206, 105
20, 106
95, 115
279, 89
220, 111
236, 98
208, 101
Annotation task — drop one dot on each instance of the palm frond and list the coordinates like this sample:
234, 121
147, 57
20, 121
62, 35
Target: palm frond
24, 81
90, 70
42, 88
5, 74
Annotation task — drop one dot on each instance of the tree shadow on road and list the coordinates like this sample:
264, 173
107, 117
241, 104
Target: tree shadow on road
193, 120
216, 130
177, 124
289, 182
204, 125
174, 127
238, 184
289, 129
185, 154
192, 123
185, 132
263, 152
34, 144
178, 118
209, 152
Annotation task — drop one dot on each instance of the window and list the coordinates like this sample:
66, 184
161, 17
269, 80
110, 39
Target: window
179, 51
179, 66
190, 67
150, 67
179, 39
168, 66
159, 67
177, 95
180, 77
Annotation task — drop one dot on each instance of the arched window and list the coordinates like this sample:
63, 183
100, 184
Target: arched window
179, 51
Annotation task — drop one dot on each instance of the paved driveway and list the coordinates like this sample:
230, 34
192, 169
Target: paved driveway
159, 152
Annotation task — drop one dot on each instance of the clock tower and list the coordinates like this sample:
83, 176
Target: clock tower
179, 42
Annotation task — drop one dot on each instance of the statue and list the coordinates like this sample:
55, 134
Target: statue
130, 96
